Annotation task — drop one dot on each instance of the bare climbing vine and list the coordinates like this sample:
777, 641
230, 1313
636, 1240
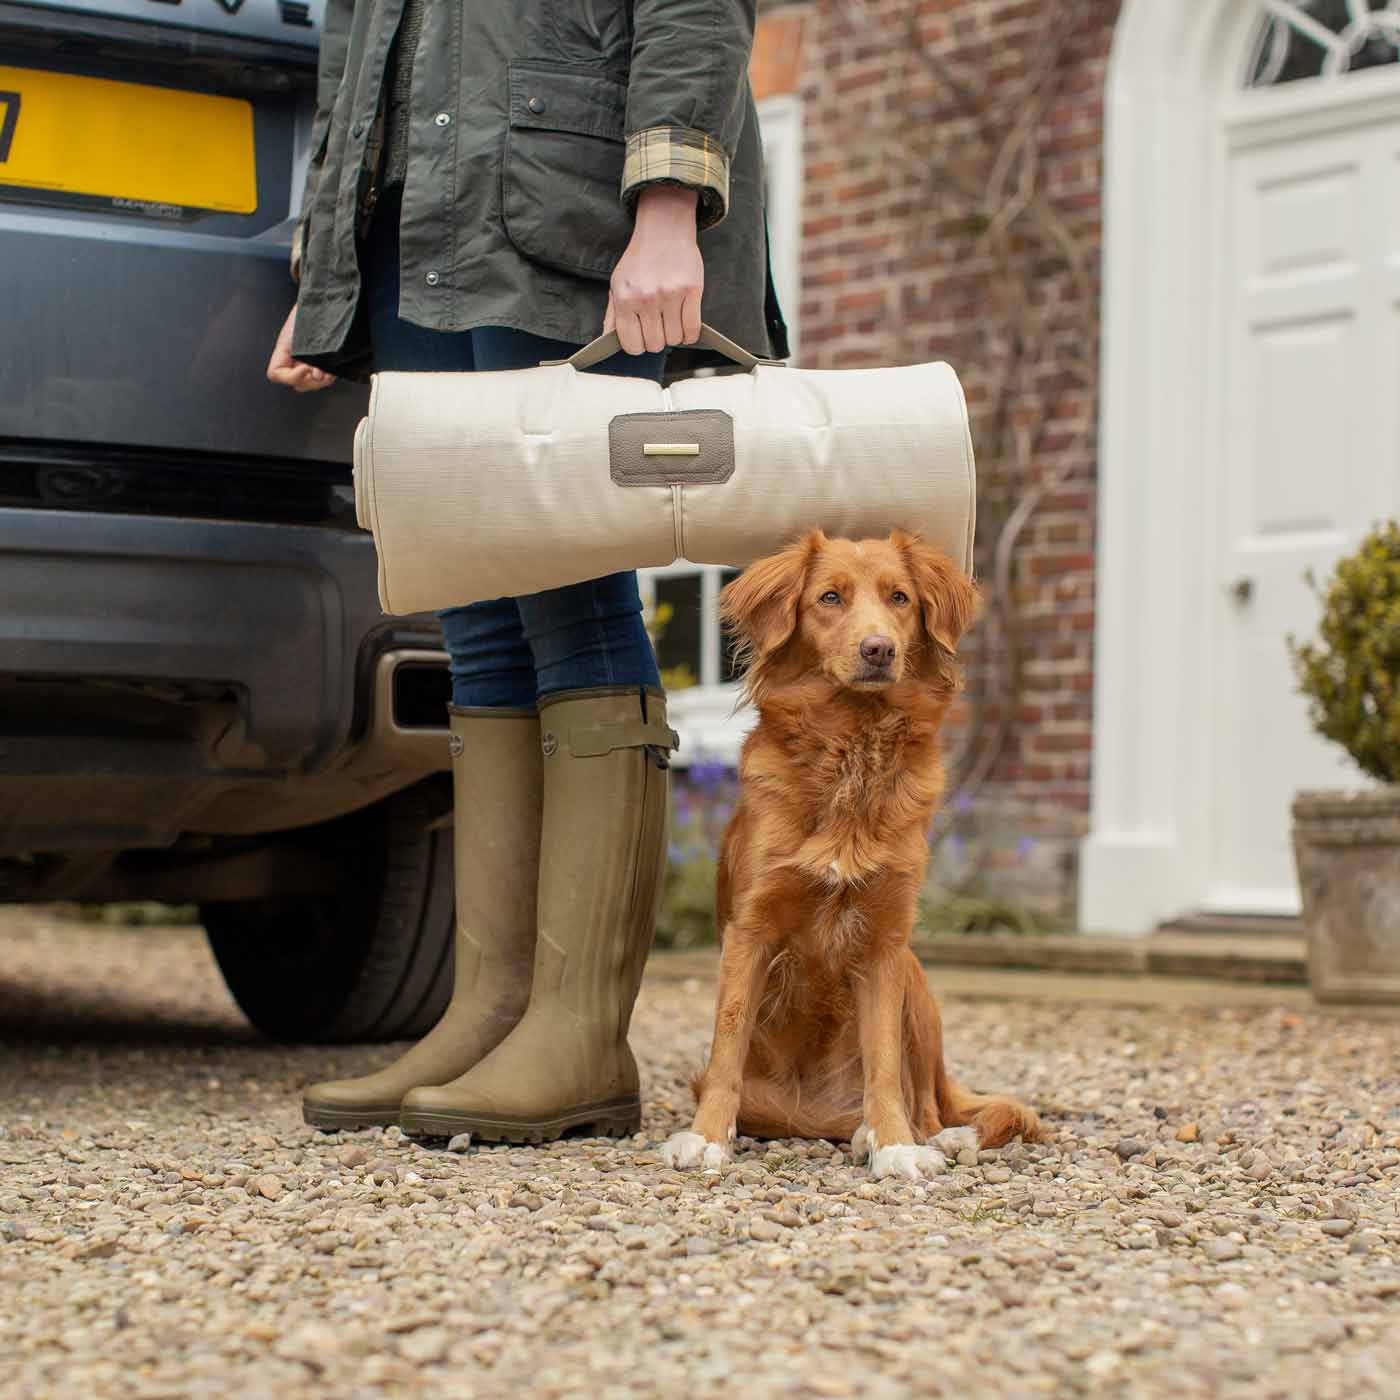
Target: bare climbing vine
1034, 336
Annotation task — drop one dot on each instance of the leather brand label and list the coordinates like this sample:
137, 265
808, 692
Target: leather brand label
694, 447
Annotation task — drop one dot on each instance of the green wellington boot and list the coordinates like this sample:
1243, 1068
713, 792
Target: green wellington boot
496, 790
602, 853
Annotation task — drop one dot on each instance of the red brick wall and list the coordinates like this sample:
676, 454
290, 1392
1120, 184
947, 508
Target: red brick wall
892, 274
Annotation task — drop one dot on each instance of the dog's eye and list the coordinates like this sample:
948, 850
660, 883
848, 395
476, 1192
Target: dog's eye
898, 598
831, 598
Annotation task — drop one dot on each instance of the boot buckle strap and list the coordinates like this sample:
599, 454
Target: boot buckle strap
599, 739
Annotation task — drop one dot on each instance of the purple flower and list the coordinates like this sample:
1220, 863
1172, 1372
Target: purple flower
709, 774
1024, 847
962, 803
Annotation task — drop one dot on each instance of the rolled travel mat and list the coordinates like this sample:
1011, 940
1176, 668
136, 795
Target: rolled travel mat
496, 484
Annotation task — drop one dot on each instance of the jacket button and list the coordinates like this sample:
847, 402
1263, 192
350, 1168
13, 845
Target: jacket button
432, 279
442, 119
357, 130
536, 105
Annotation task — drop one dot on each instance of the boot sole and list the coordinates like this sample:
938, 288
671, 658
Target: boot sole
332, 1119
620, 1118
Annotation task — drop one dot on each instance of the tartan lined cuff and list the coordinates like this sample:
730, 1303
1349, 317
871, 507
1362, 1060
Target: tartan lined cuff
678, 155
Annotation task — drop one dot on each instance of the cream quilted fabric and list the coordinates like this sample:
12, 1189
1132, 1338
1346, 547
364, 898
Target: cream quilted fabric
497, 484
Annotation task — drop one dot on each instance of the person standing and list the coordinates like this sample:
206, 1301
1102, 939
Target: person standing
492, 184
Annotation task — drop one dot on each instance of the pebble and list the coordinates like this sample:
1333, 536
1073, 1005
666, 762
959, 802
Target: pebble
460, 1142
1222, 1250
314, 1344
1336, 1228
411, 1322
1130, 1147
1188, 1132
426, 1347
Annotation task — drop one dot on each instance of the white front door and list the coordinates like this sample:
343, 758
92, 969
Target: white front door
1309, 460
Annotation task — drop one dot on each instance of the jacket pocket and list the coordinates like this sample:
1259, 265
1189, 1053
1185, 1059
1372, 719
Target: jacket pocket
561, 179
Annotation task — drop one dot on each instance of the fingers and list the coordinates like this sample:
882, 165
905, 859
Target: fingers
629, 335
655, 323
294, 374
653, 329
673, 323
641, 326
302, 377
311, 378
690, 319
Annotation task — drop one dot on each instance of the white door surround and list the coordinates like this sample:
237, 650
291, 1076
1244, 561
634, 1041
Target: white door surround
1176, 110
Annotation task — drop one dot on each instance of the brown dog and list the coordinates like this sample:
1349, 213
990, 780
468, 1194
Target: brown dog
824, 1024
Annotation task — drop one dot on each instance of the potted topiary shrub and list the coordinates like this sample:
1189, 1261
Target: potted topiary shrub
1347, 844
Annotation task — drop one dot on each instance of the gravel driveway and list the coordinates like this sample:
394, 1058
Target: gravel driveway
1218, 1214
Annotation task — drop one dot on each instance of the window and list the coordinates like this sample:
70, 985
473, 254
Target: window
780, 120
1323, 39
684, 603
695, 655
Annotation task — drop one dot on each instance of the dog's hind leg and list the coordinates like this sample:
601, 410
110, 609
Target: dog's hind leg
950, 1117
923, 1051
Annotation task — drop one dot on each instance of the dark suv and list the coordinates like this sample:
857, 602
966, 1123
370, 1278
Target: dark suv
200, 700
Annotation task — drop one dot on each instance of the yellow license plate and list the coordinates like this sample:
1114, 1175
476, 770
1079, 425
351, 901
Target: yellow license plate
126, 142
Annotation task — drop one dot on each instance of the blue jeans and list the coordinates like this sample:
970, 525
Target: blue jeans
511, 652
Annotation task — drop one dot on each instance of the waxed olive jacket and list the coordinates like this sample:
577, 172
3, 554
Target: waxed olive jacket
533, 126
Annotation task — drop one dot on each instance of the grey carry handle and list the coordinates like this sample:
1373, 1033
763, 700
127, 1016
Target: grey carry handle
598, 350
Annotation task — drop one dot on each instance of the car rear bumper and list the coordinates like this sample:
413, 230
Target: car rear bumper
163, 667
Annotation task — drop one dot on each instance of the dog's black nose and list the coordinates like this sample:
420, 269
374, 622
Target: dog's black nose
878, 651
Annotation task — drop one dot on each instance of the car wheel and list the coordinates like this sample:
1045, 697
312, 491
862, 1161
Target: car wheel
371, 962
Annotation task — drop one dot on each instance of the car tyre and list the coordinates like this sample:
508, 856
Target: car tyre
371, 962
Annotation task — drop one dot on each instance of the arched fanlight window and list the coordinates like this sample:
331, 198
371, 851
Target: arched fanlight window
1323, 39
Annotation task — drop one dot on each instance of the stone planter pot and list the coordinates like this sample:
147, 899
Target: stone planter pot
1347, 848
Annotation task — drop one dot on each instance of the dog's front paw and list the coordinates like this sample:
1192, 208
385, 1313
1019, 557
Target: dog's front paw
906, 1160
953, 1141
685, 1151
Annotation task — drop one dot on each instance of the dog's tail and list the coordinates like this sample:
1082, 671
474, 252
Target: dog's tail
996, 1118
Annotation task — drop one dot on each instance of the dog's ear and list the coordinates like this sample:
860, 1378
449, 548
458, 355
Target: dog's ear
948, 600
761, 604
